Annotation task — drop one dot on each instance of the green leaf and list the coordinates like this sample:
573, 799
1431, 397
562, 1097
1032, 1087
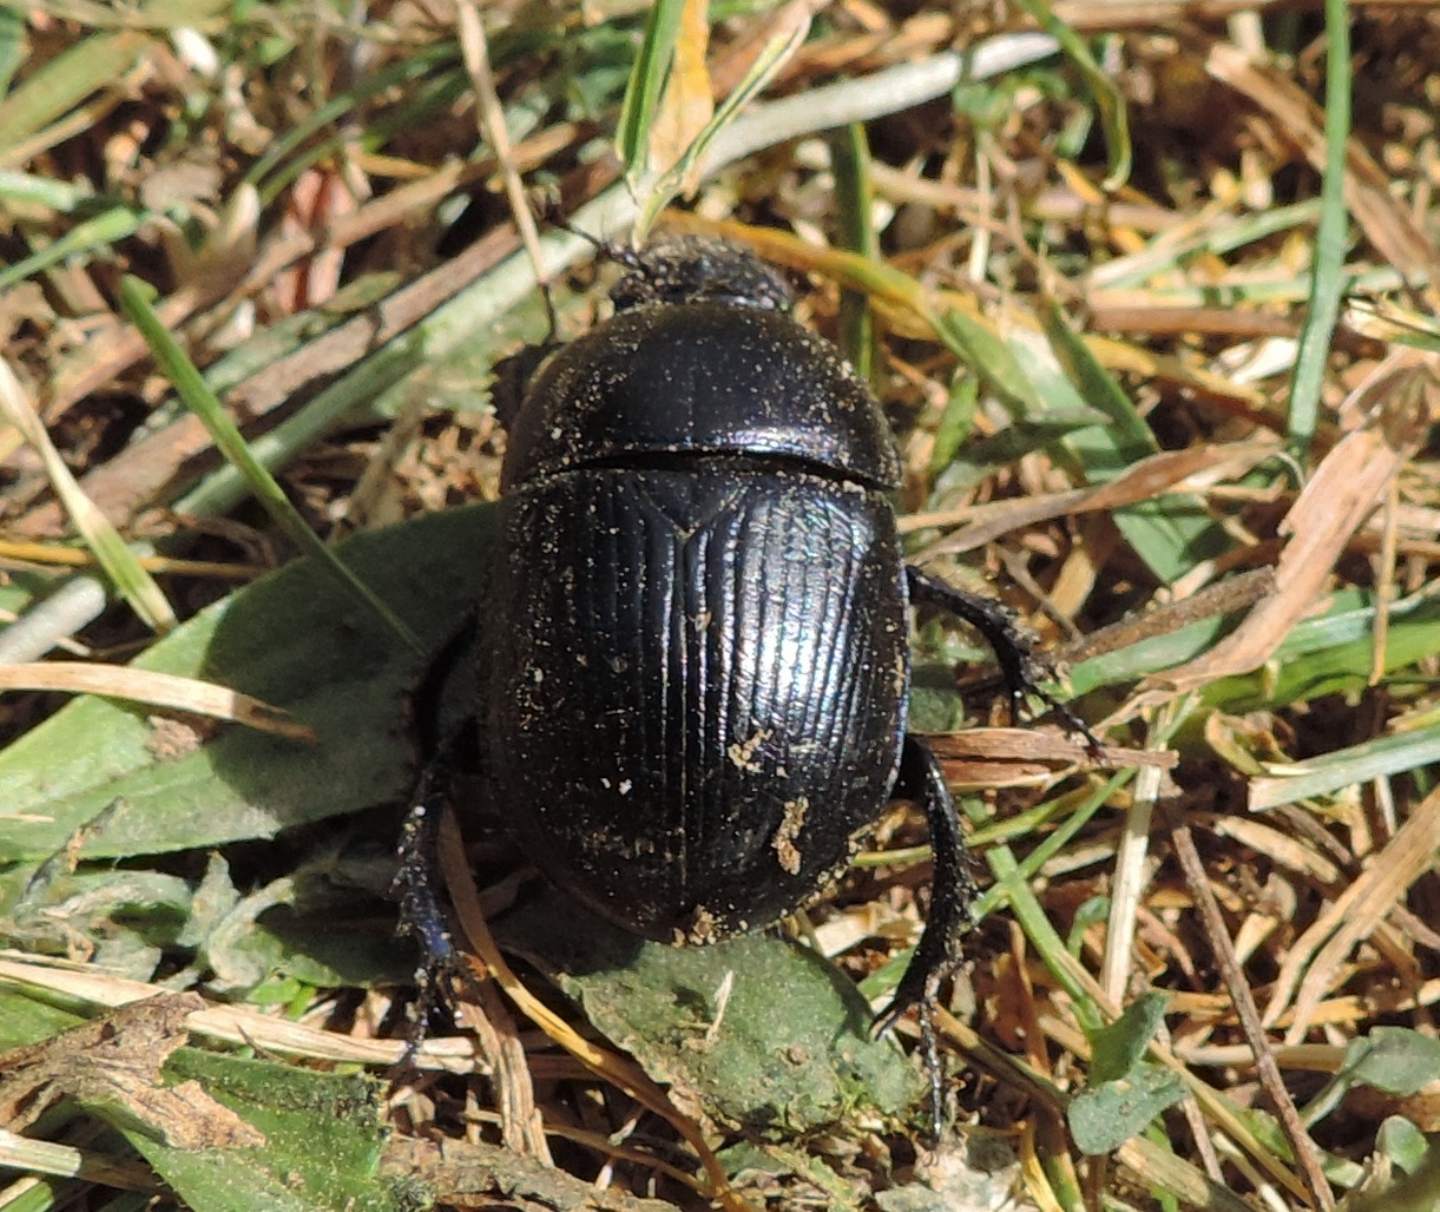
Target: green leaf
125, 918
1116, 1049
773, 1066
1396, 1060
981, 348
1380, 758
119, 562
296, 640
1329, 668
1402, 1142
956, 421
26, 1020
773, 55
323, 1141
1104, 1117
855, 197
328, 116
98, 231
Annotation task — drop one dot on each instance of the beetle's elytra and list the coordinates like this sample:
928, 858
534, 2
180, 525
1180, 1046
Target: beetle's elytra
692, 659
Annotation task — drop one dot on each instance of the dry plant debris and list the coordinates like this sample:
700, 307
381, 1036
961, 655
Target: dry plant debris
1183, 421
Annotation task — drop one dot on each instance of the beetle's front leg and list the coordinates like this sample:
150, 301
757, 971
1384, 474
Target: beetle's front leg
1013, 647
952, 892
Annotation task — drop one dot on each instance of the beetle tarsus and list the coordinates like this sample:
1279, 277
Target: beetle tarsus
953, 891
925, 1012
1020, 669
422, 915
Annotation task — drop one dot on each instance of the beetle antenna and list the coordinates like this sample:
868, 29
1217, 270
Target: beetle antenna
550, 210
552, 337
611, 250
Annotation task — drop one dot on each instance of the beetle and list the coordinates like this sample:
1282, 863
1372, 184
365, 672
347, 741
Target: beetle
693, 656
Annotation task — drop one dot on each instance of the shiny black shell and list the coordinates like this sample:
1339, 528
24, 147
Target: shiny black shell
694, 665
697, 379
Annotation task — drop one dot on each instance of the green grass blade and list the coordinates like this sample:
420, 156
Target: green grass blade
27, 188
102, 230
192, 388
12, 45
338, 106
850, 158
1346, 767
1326, 284
775, 53
65, 81
1169, 534
120, 564
646, 83
1113, 118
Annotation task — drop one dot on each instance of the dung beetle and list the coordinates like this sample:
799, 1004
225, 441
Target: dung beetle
693, 660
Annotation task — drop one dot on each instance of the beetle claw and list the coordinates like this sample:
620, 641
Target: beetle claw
1020, 669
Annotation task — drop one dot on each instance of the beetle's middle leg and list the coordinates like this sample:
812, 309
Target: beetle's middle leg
1013, 647
952, 891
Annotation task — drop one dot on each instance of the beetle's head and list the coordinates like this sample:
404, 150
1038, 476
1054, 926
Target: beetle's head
694, 269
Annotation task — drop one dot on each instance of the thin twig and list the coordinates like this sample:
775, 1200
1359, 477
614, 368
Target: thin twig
492, 124
1269, 1072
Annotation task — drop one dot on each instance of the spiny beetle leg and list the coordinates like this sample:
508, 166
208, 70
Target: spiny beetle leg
951, 893
1012, 645
417, 884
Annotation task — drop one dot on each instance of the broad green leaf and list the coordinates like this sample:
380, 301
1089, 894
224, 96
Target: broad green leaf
124, 918
27, 1020
1171, 534
980, 347
1104, 1117
293, 638
1396, 1060
956, 421
790, 1051
1402, 1142
323, 1141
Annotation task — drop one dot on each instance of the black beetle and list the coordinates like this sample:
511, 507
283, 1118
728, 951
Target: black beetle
693, 658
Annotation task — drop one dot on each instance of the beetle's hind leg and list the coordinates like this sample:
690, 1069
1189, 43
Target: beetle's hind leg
952, 891
1013, 647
